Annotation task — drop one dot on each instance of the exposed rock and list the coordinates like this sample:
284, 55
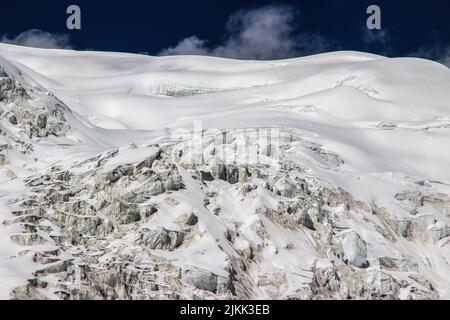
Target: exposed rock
119, 172
229, 173
306, 221
380, 285
160, 238
201, 279
12, 119
28, 239
285, 187
123, 213
148, 162
398, 264
27, 292
192, 220
326, 281
206, 176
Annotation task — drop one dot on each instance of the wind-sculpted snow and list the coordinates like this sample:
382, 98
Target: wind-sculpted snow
133, 177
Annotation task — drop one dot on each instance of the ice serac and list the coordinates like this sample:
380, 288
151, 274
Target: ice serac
355, 249
322, 177
34, 112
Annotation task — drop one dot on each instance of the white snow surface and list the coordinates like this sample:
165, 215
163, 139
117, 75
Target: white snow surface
387, 118
338, 97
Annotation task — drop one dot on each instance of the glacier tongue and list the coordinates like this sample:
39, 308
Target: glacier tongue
133, 177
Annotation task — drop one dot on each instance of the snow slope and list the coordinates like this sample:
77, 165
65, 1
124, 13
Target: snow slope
387, 119
341, 97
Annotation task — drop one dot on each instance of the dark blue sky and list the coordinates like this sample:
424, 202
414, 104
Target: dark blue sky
421, 27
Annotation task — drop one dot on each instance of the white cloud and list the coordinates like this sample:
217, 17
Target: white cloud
39, 39
264, 33
379, 39
375, 36
190, 45
446, 60
436, 52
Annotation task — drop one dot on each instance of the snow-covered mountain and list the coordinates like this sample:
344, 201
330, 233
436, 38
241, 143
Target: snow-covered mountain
134, 177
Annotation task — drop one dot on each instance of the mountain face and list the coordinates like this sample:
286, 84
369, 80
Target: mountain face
133, 177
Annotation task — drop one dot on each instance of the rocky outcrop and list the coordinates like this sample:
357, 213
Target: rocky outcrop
160, 238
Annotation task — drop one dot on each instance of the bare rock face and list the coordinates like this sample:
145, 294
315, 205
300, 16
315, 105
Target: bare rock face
305, 220
229, 173
161, 238
382, 286
393, 264
207, 281
200, 279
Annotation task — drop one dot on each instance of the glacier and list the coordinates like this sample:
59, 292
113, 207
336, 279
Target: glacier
126, 176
